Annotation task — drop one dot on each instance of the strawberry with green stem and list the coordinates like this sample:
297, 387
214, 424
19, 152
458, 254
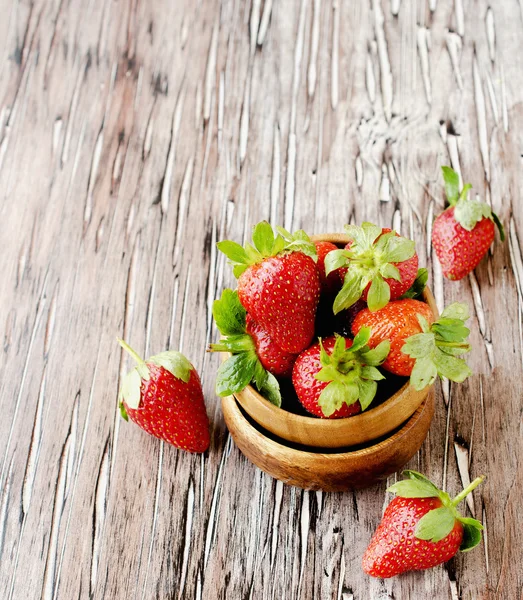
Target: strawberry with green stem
379, 266
163, 395
463, 233
420, 528
420, 348
337, 377
255, 358
278, 283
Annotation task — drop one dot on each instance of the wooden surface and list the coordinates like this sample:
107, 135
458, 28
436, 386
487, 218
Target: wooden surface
135, 134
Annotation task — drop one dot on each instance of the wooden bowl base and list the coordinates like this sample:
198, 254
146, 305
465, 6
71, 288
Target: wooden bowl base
328, 470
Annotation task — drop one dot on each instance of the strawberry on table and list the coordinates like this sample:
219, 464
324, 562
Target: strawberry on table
337, 377
256, 358
278, 283
421, 528
419, 347
163, 395
378, 266
463, 233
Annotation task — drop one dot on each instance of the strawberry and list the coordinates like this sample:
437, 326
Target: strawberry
163, 395
377, 264
419, 347
273, 358
255, 357
420, 528
337, 378
462, 234
331, 283
278, 283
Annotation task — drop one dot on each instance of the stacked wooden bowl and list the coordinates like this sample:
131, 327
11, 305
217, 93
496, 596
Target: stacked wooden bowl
331, 454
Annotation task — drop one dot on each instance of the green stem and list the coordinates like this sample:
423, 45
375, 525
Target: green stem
128, 349
452, 345
474, 484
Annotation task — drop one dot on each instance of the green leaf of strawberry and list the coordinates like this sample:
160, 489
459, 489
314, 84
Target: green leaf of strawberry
435, 525
351, 291
379, 265
271, 390
174, 362
414, 488
379, 294
437, 350
229, 315
416, 289
348, 372
235, 373
472, 529
266, 244
451, 179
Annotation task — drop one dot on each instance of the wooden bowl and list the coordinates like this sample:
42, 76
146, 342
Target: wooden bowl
328, 471
336, 433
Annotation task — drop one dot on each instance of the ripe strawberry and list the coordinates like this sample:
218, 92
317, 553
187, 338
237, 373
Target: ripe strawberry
163, 395
279, 283
462, 234
256, 358
395, 322
377, 265
337, 378
421, 528
418, 346
331, 283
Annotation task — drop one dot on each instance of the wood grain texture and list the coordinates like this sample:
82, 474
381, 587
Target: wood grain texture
133, 136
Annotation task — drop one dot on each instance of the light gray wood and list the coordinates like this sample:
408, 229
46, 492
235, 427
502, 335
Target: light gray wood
133, 135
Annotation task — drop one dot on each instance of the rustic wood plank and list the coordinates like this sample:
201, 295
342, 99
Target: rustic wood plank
135, 135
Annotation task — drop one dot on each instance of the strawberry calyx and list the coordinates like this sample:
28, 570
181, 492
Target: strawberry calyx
244, 366
437, 523
436, 351
370, 259
265, 244
171, 360
467, 212
351, 372
417, 288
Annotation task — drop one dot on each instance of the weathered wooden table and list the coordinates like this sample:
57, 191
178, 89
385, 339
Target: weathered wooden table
133, 136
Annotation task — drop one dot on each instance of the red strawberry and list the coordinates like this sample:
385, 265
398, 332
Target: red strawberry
420, 347
421, 528
331, 283
279, 284
255, 357
395, 322
462, 234
163, 395
273, 358
377, 265
337, 378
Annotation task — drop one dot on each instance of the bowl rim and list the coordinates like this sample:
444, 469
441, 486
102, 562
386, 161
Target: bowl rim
372, 413
275, 448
